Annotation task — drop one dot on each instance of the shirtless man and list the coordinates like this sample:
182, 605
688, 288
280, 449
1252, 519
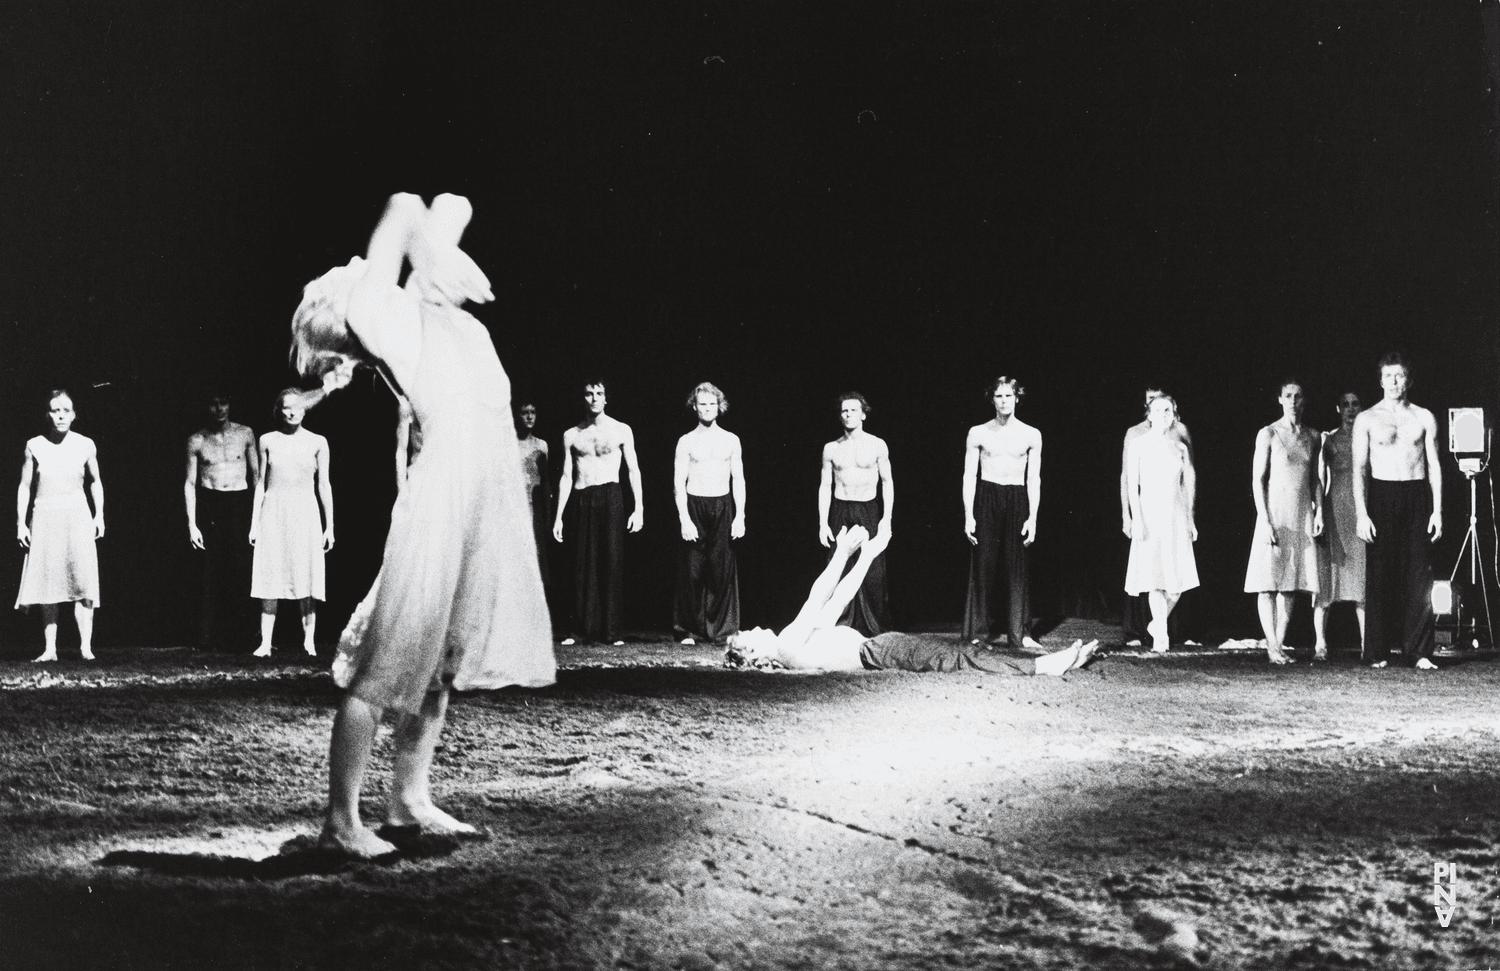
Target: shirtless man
708, 479
856, 476
222, 461
1399, 513
1003, 467
814, 642
1137, 611
592, 450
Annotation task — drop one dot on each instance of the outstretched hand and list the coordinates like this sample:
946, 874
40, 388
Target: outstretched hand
448, 270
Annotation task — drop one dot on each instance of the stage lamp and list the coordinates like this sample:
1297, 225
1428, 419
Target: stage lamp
1468, 439
1444, 598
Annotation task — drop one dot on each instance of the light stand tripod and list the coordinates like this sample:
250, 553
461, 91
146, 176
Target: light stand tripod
1461, 641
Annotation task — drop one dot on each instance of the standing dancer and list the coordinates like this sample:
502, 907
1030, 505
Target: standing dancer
708, 477
1136, 612
534, 469
1341, 564
1003, 472
458, 602
1162, 488
61, 565
286, 530
856, 489
1288, 516
592, 452
222, 461
1400, 514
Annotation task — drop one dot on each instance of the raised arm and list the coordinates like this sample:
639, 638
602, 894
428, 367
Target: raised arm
1360, 448
737, 487
970, 483
825, 496
633, 469
23, 500
325, 493
888, 488
565, 483
1260, 469
1434, 476
679, 490
96, 490
1033, 489
190, 494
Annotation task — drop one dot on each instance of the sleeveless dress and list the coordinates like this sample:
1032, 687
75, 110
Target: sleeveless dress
1342, 566
1163, 559
289, 548
62, 565
1292, 564
459, 596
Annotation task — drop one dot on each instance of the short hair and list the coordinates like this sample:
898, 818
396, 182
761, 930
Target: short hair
1290, 379
864, 402
596, 383
1394, 359
56, 393
1345, 394
709, 388
280, 397
1003, 379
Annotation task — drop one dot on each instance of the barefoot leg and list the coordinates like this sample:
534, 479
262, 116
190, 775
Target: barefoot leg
348, 753
83, 615
309, 625
267, 626
49, 633
411, 799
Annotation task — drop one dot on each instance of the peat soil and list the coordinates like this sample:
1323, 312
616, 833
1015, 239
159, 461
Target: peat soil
653, 810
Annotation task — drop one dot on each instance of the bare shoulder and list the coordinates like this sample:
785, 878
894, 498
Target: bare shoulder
241, 431
621, 432
195, 441
879, 444
1424, 416
976, 434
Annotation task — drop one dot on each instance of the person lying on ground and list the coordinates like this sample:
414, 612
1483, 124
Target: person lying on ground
814, 641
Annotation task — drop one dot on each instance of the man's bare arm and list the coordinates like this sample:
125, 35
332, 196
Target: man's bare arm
887, 487
970, 483
564, 484
632, 467
252, 455
190, 494
679, 491
1125, 485
1434, 476
737, 488
825, 496
1033, 490
1360, 448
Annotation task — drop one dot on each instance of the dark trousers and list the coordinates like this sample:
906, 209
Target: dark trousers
224, 520
599, 566
869, 612
1398, 571
895, 651
707, 604
999, 557
541, 527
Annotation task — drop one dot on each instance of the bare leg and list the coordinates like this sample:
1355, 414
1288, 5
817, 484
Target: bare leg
1266, 603
309, 624
49, 633
1068, 659
1162, 603
411, 796
267, 625
83, 615
1320, 629
823, 588
348, 753
1359, 614
1284, 602
828, 615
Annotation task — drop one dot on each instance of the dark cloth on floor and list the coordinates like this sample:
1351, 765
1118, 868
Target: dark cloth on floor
599, 567
895, 651
999, 557
224, 520
869, 612
707, 604
1398, 571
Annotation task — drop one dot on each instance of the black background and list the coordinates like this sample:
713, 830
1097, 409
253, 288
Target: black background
788, 199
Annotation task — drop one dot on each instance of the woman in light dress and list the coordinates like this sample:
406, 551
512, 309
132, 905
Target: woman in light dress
534, 466
288, 532
1288, 516
458, 601
58, 535
1161, 486
1341, 566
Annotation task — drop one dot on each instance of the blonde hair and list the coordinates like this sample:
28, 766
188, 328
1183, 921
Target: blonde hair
320, 328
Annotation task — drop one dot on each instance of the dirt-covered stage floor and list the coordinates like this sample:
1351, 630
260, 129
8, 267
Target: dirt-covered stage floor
655, 811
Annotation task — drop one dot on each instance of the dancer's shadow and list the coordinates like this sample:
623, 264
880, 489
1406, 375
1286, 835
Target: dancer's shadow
299, 857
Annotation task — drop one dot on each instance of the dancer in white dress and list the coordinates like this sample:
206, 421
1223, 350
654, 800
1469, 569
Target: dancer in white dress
286, 529
1161, 487
58, 536
1288, 516
458, 602
1341, 561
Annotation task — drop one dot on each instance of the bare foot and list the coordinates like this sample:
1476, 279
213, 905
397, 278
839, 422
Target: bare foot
1086, 653
429, 817
312, 650
1277, 656
1423, 664
1320, 653
88, 655
568, 641
358, 842
1378, 665
45, 656
263, 651
689, 642
1031, 644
